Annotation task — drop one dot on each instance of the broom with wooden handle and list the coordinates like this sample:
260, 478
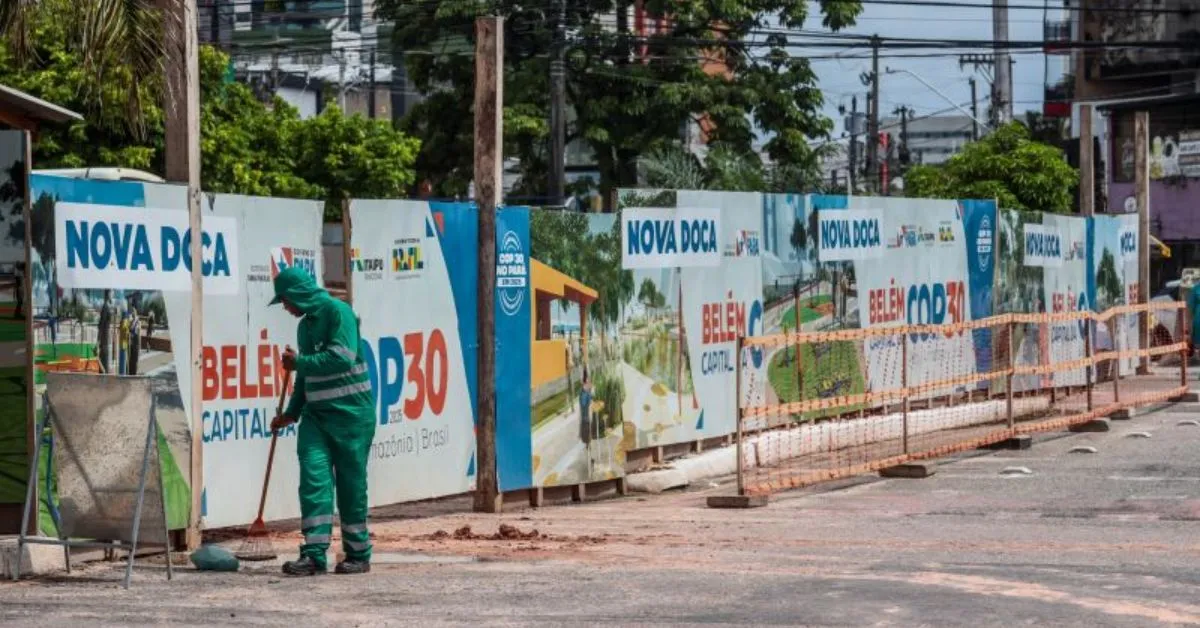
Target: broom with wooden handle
258, 545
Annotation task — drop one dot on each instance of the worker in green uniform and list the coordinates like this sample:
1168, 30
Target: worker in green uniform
332, 400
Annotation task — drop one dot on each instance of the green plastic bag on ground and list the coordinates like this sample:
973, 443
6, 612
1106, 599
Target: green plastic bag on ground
214, 558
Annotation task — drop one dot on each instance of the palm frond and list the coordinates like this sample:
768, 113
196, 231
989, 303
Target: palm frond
16, 18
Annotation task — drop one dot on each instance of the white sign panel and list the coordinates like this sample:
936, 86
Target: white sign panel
1043, 246
403, 292
923, 280
1065, 290
849, 235
139, 248
244, 337
681, 237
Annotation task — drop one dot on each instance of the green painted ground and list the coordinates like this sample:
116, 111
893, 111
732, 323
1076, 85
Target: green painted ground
807, 314
834, 372
14, 465
11, 329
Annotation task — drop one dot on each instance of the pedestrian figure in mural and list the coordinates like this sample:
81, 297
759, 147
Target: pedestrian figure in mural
123, 343
104, 333
585, 419
135, 339
333, 404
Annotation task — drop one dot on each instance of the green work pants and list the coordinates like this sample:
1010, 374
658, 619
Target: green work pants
333, 451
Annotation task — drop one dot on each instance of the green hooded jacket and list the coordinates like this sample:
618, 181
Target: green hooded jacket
331, 375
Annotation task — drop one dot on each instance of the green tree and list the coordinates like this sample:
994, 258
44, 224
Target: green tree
628, 93
247, 146
1108, 282
1007, 165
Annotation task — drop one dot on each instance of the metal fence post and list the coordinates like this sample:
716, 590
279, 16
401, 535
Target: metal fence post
1116, 362
741, 464
1012, 363
904, 387
1087, 352
1182, 337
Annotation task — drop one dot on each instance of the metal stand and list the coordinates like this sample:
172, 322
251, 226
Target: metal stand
24, 538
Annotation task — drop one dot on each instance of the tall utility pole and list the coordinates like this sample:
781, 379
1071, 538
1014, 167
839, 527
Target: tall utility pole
558, 106
903, 150
873, 112
1141, 191
853, 174
371, 92
974, 112
182, 148
1087, 171
1002, 85
489, 129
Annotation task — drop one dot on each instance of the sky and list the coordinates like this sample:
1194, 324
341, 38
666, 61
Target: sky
839, 78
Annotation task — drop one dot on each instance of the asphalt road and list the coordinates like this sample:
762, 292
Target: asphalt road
1085, 539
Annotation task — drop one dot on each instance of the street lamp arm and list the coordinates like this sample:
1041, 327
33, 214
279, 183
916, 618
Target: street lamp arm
938, 92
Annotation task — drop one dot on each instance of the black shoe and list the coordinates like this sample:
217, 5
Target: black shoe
351, 566
303, 566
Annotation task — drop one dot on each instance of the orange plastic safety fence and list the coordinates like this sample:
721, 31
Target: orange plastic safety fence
844, 402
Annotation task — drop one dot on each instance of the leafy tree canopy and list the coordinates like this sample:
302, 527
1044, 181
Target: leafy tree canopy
247, 146
723, 64
1007, 165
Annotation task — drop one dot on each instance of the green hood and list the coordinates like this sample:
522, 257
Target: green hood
300, 289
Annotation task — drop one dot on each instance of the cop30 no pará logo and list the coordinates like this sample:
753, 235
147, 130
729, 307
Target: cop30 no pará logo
139, 248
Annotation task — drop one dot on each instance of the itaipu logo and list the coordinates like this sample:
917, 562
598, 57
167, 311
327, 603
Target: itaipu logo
983, 244
287, 257
512, 273
746, 244
371, 268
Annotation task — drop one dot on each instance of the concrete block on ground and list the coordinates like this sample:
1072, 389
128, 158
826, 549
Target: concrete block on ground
737, 501
35, 559
912, 470
1023, 441
656, 481
1188, 397
1124, 414
1095, 425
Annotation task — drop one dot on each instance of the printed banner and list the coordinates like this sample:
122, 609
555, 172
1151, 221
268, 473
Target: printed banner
116, 330
106, 246
683, 236
1113, 281
243, 339
1043, 246
853, 235
15, 388
413, 274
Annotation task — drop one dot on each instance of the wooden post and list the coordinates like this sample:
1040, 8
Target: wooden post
1116, 363
1141, 133
741, 467
489, 100
904, 387
1181, 315
799, 353
1012, 363
1087, 168
1087, 351
182, 152
347, 252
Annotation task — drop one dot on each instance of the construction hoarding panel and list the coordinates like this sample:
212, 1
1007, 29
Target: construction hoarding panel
14, 321
243, 339
413, 271
109, 328
1113, 280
